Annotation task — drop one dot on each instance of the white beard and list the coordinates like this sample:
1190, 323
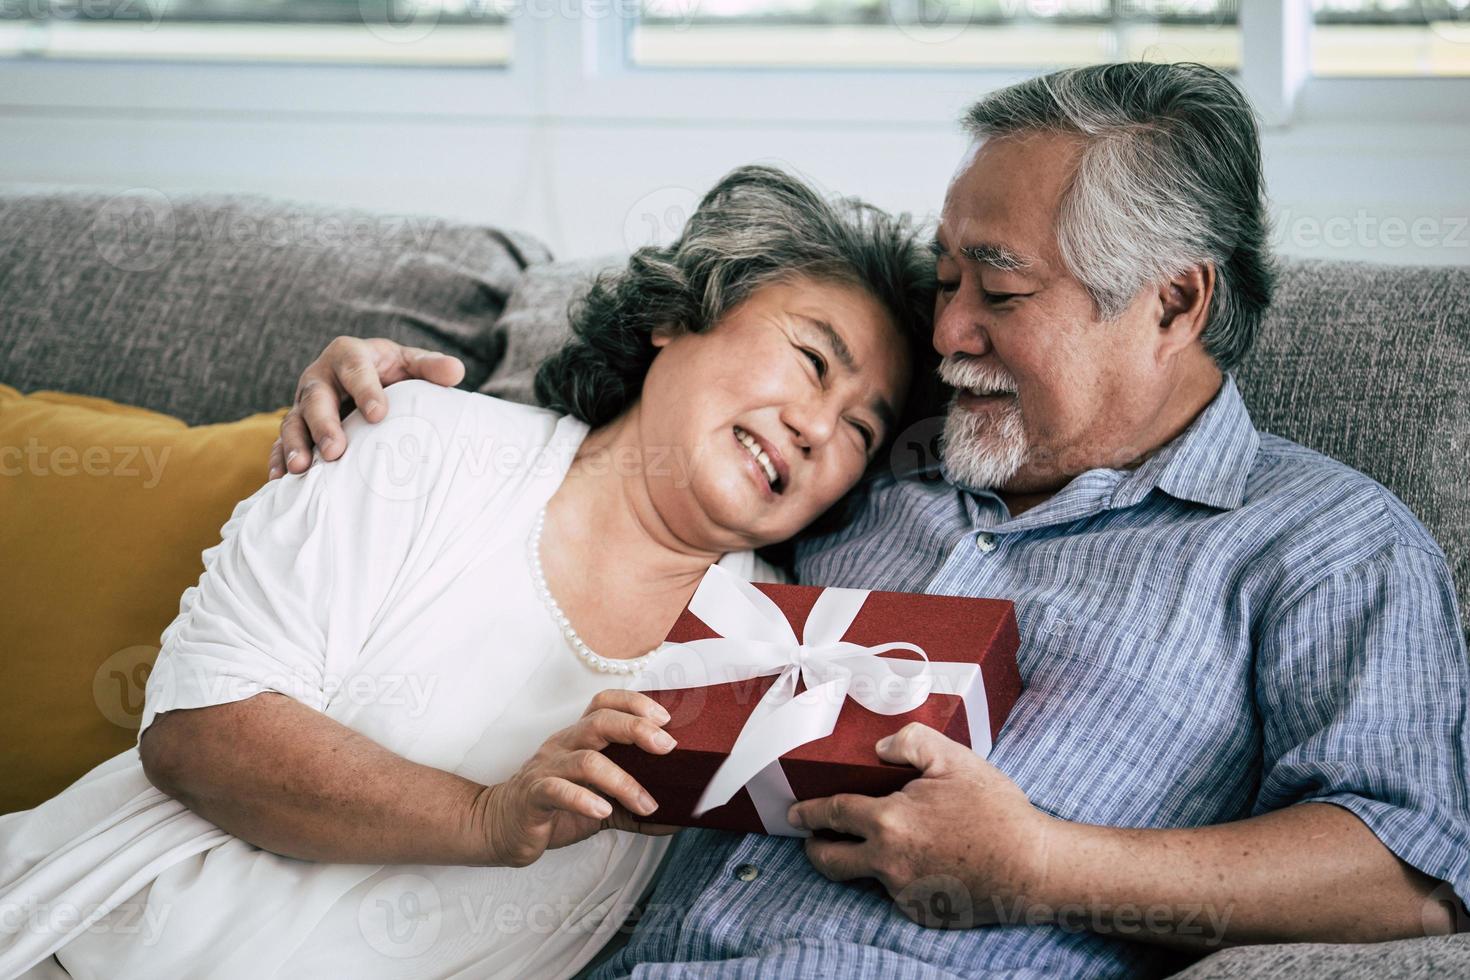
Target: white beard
982, 451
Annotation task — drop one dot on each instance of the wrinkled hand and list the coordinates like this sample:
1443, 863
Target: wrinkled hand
561, 795
350, 372
959, 846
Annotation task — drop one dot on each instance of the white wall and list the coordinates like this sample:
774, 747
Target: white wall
1383, 191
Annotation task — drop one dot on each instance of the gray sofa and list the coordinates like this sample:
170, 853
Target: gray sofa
207, 308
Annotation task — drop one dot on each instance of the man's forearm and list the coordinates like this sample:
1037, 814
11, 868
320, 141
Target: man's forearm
287, 778
1312, 872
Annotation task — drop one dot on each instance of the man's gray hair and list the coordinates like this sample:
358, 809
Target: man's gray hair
1169, 179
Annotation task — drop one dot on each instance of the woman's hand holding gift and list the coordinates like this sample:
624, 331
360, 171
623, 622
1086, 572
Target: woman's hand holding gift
569, 790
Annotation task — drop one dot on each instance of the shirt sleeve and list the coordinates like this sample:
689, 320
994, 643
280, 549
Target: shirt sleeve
1361, 683
288, 594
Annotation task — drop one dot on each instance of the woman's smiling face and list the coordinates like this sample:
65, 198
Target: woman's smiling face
770, 416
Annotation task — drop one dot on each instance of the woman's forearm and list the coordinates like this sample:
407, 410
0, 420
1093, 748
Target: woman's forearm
287, 778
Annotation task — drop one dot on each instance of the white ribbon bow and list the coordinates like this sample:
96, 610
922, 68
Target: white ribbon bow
756, 641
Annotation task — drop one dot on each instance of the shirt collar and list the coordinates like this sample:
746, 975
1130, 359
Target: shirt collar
1208, 463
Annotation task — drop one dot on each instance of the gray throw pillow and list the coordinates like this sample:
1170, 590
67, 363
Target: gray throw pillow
208, 307
536, 323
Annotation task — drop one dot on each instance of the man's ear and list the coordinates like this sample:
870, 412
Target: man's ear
662, 335
1184, 308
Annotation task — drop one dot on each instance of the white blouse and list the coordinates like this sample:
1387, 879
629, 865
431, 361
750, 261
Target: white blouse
392, 591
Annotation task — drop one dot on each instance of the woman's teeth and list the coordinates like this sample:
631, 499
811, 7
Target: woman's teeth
755, 450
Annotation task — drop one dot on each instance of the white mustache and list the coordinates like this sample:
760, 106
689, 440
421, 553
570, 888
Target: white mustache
977, 376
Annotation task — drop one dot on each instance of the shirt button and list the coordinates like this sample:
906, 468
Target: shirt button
985, 542
747, 872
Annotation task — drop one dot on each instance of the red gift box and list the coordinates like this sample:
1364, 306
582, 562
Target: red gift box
708, 719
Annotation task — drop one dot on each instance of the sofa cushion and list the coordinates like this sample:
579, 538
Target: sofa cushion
1368, 364
116, 506
1407, 959
208, 307
536, 323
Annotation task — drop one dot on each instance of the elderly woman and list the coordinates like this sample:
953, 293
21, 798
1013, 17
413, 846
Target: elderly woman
368, 748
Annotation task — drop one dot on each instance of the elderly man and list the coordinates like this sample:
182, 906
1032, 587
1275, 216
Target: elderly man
1244, 718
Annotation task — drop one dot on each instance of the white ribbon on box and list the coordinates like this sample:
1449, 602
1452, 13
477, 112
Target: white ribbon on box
755, 640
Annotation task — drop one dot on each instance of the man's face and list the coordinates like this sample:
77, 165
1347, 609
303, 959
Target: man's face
1044, 389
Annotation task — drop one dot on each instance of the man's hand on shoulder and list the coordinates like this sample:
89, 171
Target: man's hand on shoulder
960, 846
351, 372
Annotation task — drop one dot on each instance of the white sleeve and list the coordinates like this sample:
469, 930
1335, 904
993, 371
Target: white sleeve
305, 563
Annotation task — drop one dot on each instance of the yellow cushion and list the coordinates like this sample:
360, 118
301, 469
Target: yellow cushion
106, 509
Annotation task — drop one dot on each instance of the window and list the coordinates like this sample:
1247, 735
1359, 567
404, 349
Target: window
1002, 34
1391, 37
793, 61
436, 32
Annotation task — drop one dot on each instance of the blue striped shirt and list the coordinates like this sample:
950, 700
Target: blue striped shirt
1238, 625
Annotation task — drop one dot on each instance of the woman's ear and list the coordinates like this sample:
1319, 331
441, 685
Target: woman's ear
662, 336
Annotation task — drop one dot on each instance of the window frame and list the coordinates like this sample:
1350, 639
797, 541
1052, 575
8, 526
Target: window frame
571, 64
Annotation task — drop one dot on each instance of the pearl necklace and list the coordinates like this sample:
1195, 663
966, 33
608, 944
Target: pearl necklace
606, 665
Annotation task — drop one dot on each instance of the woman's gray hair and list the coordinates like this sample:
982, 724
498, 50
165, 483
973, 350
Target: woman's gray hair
1169, 179
757, 227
